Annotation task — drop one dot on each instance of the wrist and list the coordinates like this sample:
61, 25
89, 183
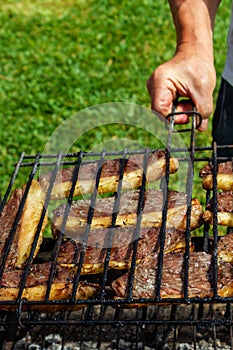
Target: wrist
196, 49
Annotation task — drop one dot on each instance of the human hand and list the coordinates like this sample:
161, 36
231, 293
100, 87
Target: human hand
188, 74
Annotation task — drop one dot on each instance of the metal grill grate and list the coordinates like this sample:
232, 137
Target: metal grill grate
104, 321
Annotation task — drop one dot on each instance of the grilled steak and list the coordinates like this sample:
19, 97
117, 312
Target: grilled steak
109, 174
37, 283
225, 202
223, 168
200, 283
151, 212
22, 238
225, 248
122, 247
224, 208
224, 176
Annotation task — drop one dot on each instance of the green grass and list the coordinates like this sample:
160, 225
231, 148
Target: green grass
60, 57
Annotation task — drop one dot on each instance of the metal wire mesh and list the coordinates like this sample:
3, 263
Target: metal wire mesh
163, 320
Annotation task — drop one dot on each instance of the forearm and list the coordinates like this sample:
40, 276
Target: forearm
194, 23
190, 72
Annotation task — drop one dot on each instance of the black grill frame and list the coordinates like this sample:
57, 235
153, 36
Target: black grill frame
22, 317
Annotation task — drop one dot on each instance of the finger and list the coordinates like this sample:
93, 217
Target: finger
182, 107
204, 125
187, 106
204, 106
161, 95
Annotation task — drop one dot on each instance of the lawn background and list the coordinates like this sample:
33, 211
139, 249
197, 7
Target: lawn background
59, 57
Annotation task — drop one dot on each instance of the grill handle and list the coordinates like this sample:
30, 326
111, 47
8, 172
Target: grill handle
190, 113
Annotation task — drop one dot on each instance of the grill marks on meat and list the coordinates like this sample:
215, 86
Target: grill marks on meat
109, 175
225, 248
224, 176
118, 252
225, 202
200, 282
223, 168
37, 283
23, 237
121, 249
127, 214
224, 209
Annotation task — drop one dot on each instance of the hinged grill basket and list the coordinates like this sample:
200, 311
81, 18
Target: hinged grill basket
88, 313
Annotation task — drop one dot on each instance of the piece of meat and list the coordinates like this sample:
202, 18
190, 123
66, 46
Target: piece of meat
223, 168
109, 174
225, 202
224, 176
37, 283
224, 209
122, 247
225, 248
23, 236
200, 281
151, 212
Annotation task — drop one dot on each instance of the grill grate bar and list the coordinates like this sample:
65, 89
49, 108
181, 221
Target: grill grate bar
206, 228
71, 158
138, 223
190, 176
205, 323
52, 270
88, 226
34, 244
162, 234
10, 238
113, 223
11, 183
215, 221
229, 306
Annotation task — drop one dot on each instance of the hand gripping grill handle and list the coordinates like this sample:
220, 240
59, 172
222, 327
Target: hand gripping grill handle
190, 113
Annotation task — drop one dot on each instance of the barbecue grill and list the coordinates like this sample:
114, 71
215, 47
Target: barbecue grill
106, 323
